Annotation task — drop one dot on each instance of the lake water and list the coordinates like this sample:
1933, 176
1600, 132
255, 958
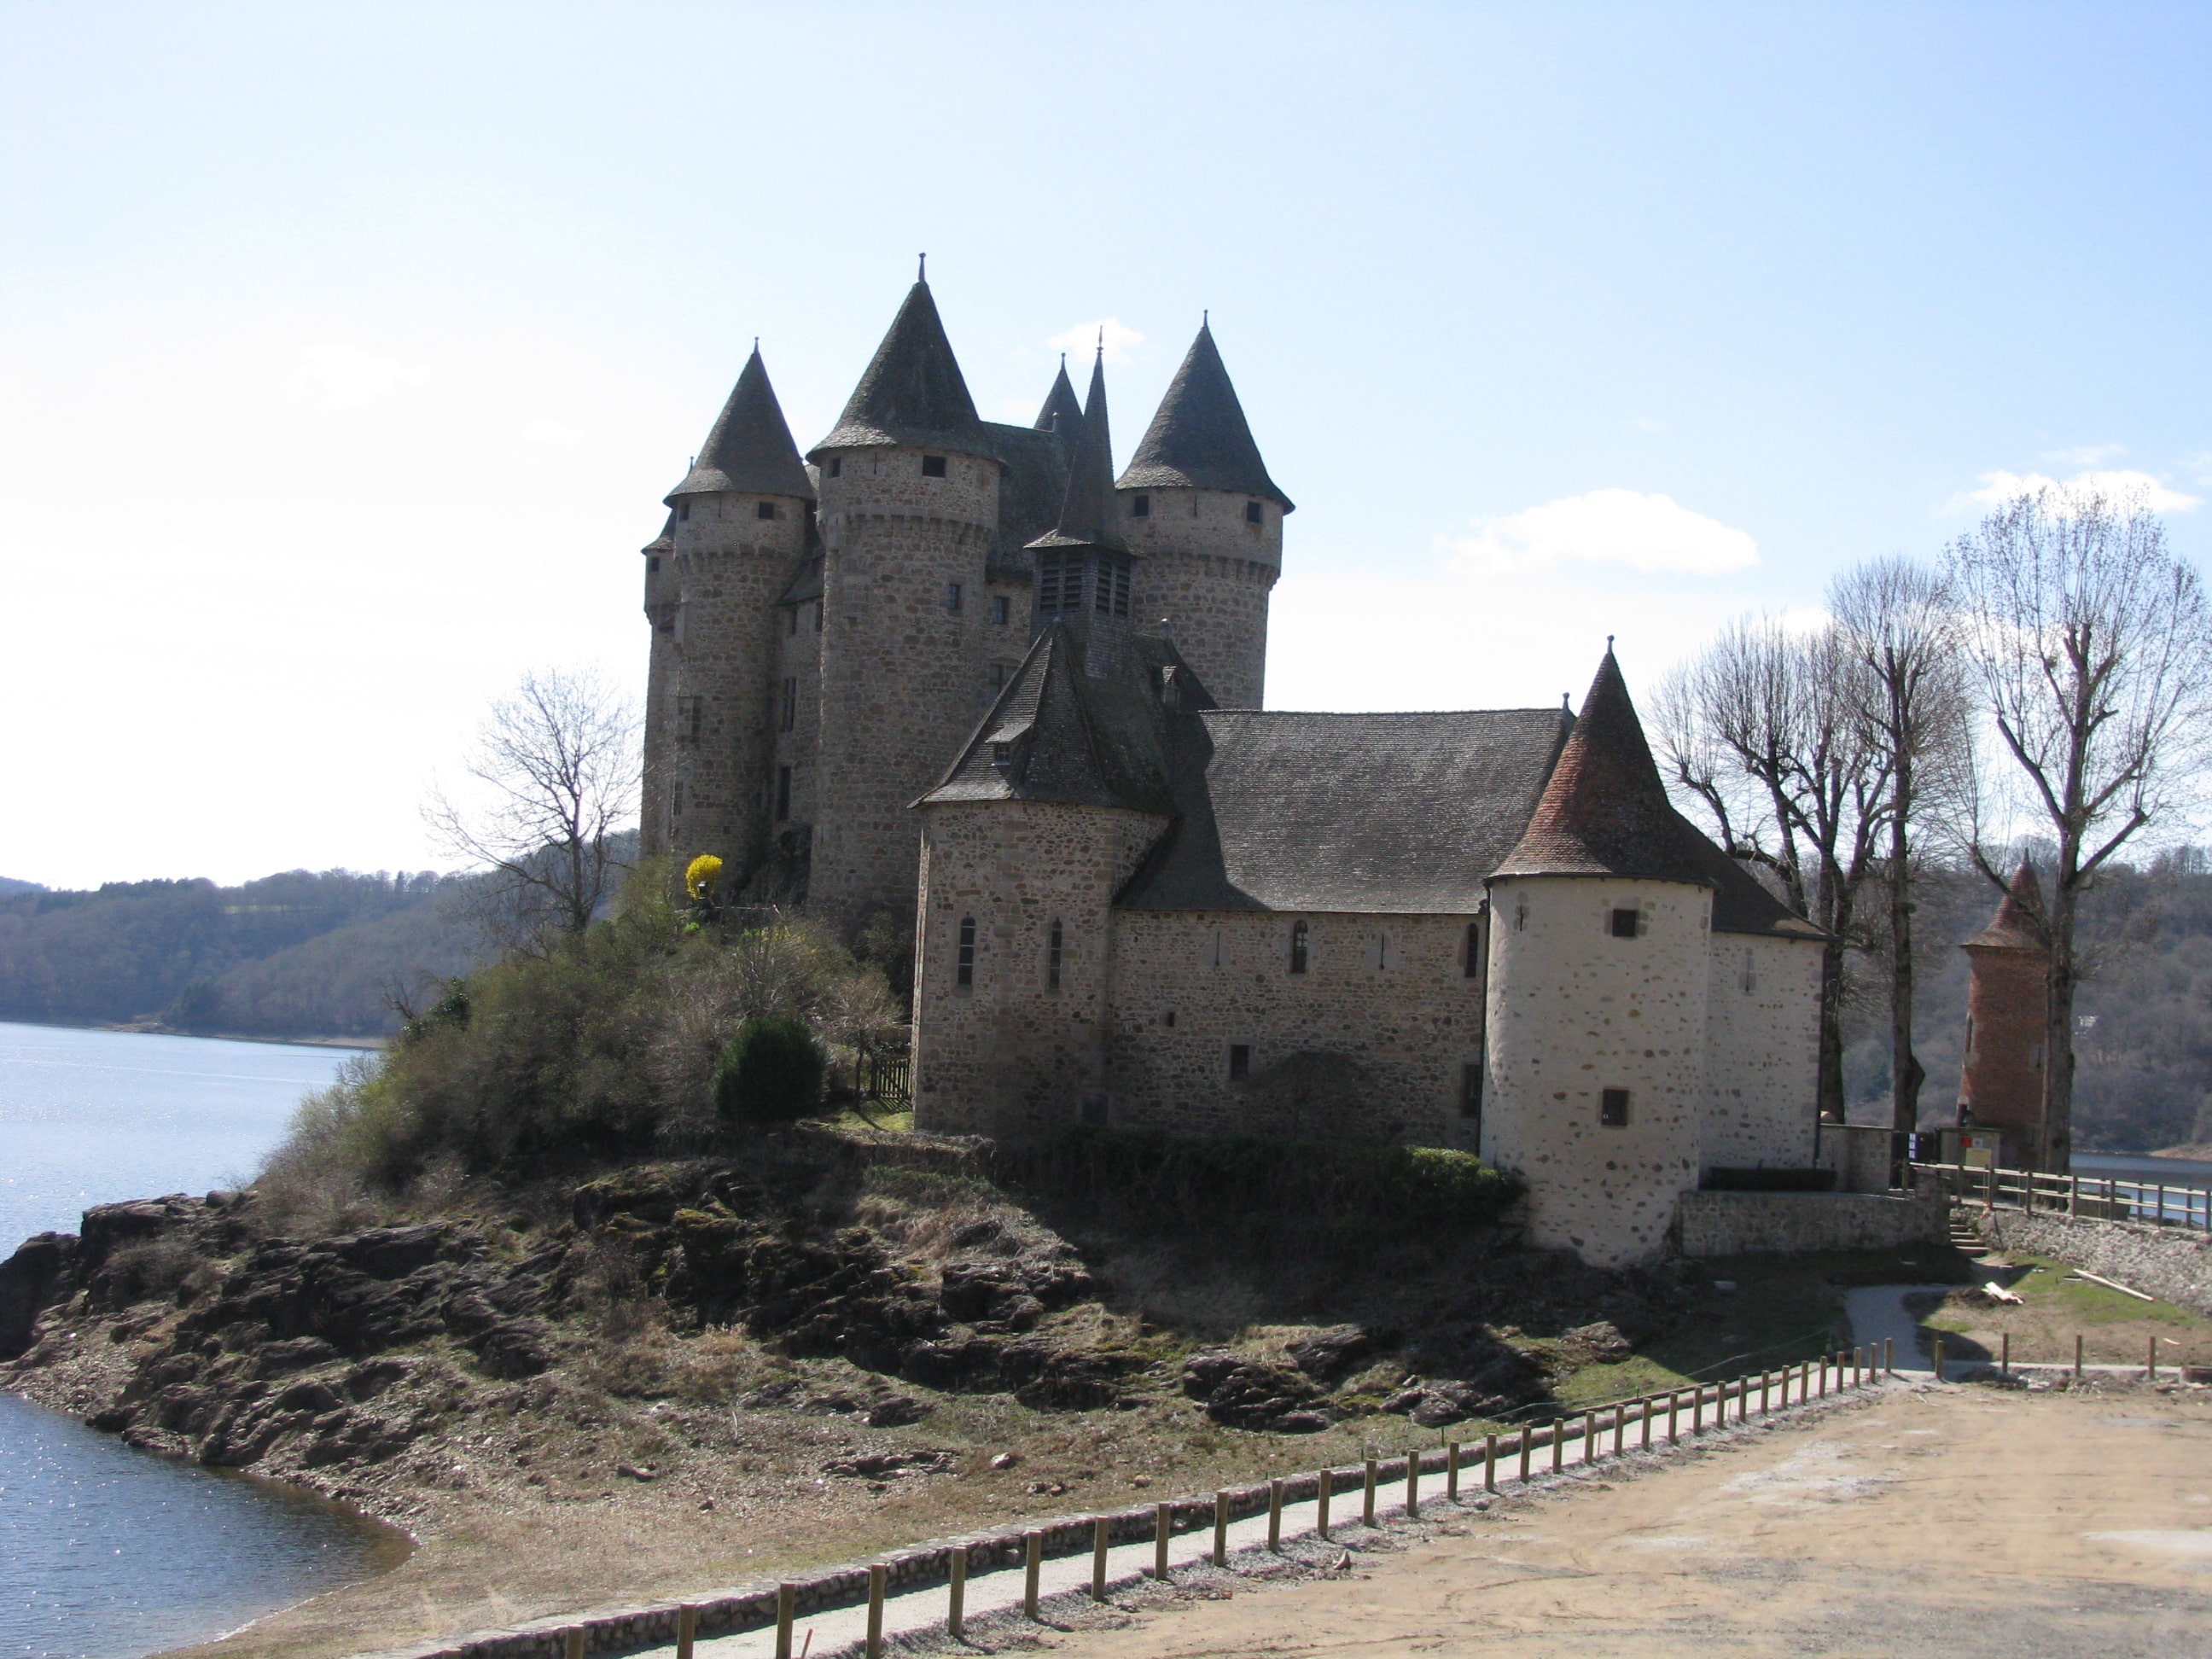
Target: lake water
107, 1552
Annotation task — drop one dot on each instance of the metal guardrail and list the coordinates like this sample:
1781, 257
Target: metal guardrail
2095, 1197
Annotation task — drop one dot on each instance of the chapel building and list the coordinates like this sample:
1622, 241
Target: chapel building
961, 672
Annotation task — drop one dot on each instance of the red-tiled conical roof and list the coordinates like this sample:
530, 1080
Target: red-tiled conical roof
2018, 924
1605, 812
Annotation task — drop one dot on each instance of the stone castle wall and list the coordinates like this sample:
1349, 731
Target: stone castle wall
1762, 1053
1571, 1011
901, 671
1209, 573
1368, 1043
1011, 1054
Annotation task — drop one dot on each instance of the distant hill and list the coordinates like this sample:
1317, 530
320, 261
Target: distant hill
301, 954
9, 884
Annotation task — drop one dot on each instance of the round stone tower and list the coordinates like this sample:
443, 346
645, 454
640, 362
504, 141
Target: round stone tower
909, 511
1600, 936
1197, 506
2000, 1084
738, 528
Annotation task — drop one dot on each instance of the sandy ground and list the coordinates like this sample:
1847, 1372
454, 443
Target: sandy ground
1959, 1521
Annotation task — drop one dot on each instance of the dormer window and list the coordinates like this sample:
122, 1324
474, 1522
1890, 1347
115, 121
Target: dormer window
932, 467
1002, 754
765, 510
1141, 508
1255, 513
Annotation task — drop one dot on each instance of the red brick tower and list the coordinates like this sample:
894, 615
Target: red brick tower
2001, 1086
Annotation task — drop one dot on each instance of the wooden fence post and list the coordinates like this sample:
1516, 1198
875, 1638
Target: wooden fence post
1413, 1484
1559, 1444
1939, 1358
787, 1607
874, 1647
1221, 1529
956, 1614
1102, 1536
1619, 1423
1490, 1463
1647, 1422
1162, 1530
2077, 1356
2005, 1353
1589, 1439
1451, 1472
1697, 1410
1524, 1451
1673, 1416
1032, 1566
2150, 1363
1367, 1501
1320, 1502
1889, 1356
1275, 1515
574, 1645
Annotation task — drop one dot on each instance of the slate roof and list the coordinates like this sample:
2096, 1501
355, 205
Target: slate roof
912, 391
1030, 489
1086, 514
1199, 439
1605, 812
1390, 813
666, 541
749, 447
1741, 905
1062, 410
2015, 926
1070, 736
806, 582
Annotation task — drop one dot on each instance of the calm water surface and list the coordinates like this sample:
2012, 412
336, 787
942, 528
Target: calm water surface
107, 1552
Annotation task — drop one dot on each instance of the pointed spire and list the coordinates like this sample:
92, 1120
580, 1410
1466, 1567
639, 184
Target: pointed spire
912, 391
1605, 812
1062, 412
1086, 512
750, 448
1199, 440
2018, 924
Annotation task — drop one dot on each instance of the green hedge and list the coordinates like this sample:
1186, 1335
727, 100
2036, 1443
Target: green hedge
1268, 1193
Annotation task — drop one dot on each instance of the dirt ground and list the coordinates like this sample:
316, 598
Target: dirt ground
2055, 1307
1946, 1522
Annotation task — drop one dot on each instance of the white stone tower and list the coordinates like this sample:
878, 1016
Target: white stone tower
1601, 941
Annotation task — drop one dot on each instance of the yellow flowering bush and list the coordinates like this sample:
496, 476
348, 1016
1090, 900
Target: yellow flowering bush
701, 875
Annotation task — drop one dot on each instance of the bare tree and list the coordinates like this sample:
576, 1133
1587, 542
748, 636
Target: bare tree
558, 766
2092, 646
1765, 732
1896, 619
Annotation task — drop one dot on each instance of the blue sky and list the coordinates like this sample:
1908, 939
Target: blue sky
346, 352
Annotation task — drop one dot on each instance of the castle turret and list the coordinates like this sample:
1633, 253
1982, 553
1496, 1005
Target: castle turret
2000, 1084
909, 479
1084, 572
1197, 502
1062, 412
1599, 930
739, 529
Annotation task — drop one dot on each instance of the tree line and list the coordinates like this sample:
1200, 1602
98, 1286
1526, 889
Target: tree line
2042, 688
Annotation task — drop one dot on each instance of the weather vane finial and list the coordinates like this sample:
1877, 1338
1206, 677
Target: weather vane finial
1608, 645
921, 268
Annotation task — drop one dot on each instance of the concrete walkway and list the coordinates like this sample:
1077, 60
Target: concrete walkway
1878, 1315
996, 1597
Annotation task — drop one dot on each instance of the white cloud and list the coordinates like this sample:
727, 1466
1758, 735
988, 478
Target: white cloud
1083, 337
2199, 465
1647, 423
544, 429
2085, 454
1608, 527
349, 378
1998, 488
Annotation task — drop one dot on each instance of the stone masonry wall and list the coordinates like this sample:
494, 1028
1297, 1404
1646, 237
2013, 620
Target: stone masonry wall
1011, 1055
653, 830
797, 742
900, 668
1572, 1012
1759, 1224
1762, 1053
1209, 573
2171, 1262
1369, 1044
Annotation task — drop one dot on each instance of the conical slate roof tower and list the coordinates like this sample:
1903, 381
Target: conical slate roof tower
2018, 924
912, 391
1086, 512
1605, 811
1200, 439
749, 449
1063, 412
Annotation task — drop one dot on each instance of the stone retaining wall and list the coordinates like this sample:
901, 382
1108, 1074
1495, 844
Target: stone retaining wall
2172, 1262
1758, 1223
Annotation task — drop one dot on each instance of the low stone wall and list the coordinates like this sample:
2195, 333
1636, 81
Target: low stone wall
2171, 1262
1759, 1224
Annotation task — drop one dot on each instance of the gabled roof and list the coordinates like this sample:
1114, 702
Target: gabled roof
912, 391
1030, 489
1086, 510
806, 582
1387, 813
1199, 439
1741, 905
1605, 812
1059, 733
749, 448
2018, 924
1062, 412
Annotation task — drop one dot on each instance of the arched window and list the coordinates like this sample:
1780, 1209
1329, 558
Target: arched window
1298, 947
965, 973
1052, 956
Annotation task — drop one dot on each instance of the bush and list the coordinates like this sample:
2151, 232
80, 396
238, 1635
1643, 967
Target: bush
771, 1073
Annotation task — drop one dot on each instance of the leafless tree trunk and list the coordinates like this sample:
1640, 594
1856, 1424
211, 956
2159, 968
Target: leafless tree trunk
557, 764
2093, 650
1896, 618
1764, 731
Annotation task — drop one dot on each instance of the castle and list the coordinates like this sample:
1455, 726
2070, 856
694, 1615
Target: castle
957, 673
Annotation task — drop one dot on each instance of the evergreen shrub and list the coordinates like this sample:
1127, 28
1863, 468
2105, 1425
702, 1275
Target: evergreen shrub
770, 1073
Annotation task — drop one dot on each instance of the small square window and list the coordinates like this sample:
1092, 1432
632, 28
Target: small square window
684, 513
765, 510
1613, 1108
1626, 923
836, 467
1141, 508
952, 595
1240, 1061
691, 712
1002, 609
932, 467
653, 563
1254, 514
1168, 1019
